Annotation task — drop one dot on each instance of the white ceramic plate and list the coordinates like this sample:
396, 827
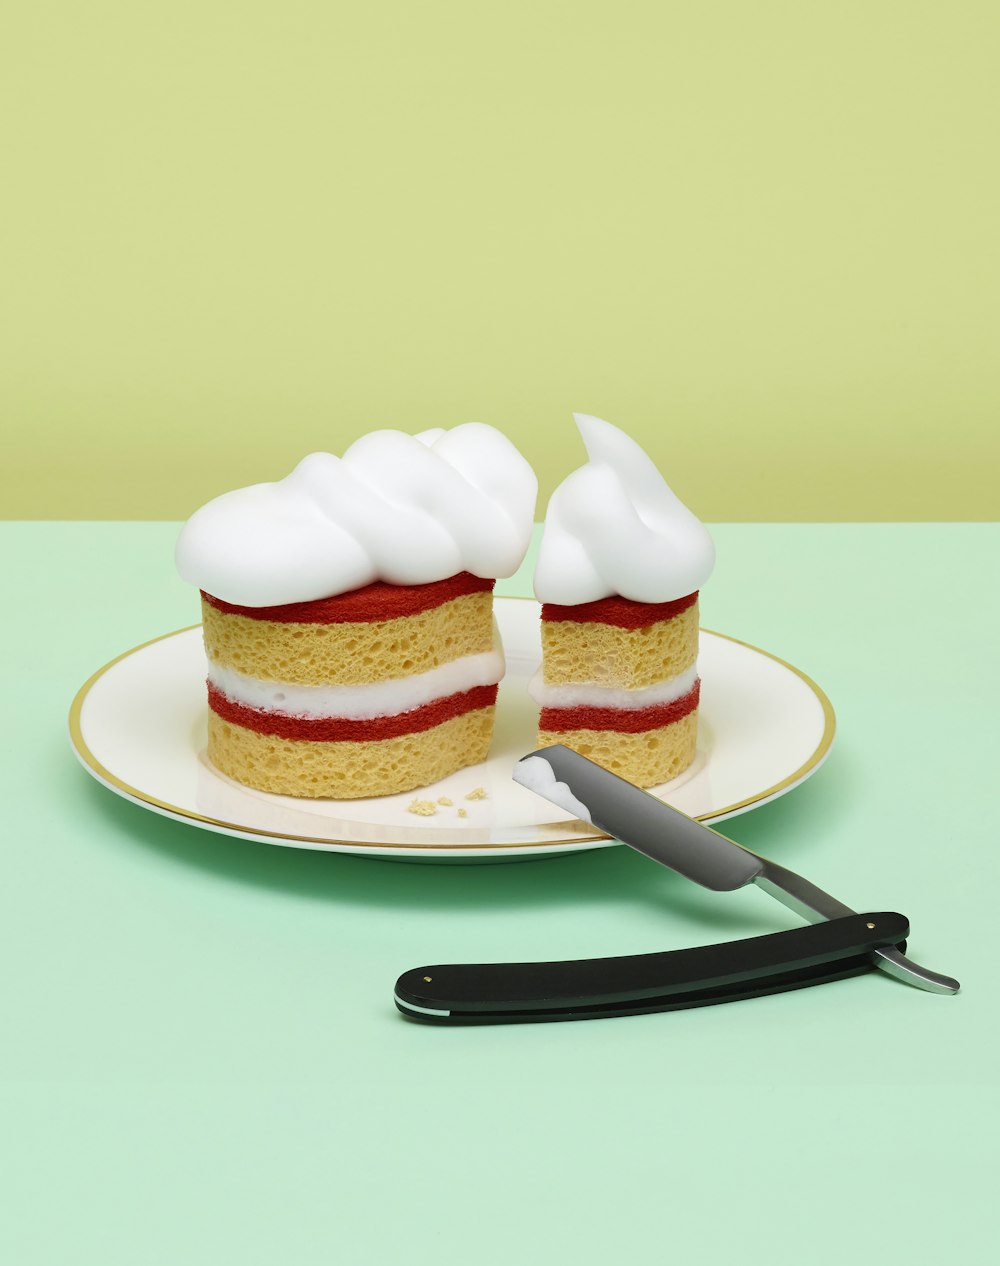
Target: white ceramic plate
139, 726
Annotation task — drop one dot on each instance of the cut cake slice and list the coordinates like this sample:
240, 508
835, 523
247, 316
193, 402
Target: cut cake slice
619, 684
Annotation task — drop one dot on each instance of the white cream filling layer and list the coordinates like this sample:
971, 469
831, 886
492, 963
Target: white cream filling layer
587, 695
360, 703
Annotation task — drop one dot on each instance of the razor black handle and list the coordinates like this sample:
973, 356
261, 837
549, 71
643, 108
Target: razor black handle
510, 993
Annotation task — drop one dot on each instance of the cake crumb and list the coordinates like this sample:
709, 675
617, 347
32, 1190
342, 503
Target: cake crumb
463, 813
478, 794
423, 808
444, 800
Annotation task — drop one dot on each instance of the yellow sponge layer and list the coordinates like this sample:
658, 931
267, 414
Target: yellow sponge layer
645, 759
351, 653
587, 651
348, 770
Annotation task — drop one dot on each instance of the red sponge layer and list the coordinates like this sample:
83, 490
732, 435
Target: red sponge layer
345, 729
624, 720
619, 611
379, 601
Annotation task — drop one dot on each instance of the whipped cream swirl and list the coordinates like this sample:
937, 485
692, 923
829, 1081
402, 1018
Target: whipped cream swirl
614, 527
407, 509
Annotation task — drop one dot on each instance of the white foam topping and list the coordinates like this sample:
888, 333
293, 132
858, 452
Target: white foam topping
535, 773
614, 527
586, 694
360, 702
407, 509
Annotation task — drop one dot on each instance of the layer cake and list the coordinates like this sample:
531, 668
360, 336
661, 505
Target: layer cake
619, 568
620, 684
381, 689
347, 612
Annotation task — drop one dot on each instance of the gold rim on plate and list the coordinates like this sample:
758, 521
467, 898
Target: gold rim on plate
104, 775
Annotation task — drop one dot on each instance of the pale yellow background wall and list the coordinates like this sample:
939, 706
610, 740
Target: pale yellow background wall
761, 236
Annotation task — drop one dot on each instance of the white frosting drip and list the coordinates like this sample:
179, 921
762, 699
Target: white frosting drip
588, 695
361, 702
614, 527
535, 773
407, 509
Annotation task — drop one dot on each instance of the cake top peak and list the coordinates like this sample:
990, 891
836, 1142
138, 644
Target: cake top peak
406, 509
613, 527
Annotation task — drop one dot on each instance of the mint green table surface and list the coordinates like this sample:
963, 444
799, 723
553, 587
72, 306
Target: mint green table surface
202, 1063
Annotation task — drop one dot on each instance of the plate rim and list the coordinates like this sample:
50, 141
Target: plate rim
179, 813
